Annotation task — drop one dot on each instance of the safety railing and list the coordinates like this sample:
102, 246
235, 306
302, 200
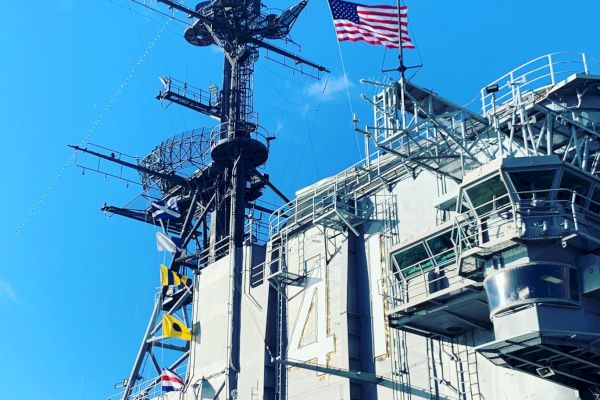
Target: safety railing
214, 252
256, 231
184, 89
239, 128
335, 193
149, 389
531, 77
534, 215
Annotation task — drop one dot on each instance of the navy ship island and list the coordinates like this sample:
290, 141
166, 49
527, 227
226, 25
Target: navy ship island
459, 260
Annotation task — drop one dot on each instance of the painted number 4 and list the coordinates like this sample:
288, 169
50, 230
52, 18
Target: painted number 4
309, 340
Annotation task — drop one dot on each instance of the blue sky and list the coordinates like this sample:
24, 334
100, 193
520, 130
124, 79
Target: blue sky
76, 287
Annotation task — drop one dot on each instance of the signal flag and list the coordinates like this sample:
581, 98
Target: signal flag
172, 278
170, 381
174, 328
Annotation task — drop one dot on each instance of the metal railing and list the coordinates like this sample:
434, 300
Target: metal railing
536, 215
533, 76
214, 252
252, 129
149, 388
340, 192
184, 89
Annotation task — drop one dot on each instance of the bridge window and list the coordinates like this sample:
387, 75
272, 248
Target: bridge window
442, 248
413, 260
571, 182
533, 184
488, 195
532, 283
595, 203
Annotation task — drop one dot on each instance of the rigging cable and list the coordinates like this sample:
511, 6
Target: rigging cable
345, 77
90, 131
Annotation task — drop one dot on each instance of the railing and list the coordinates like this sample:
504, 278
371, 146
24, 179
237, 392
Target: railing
533, 76
328, 195
251, 129
184, 89
316, 205
537, 215
256, 231
214, 252
149, 388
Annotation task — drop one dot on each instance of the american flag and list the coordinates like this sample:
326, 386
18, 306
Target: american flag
373, 24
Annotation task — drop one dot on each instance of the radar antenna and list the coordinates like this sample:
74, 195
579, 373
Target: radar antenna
210, 174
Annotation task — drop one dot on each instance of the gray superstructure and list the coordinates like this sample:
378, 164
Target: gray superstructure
459, 260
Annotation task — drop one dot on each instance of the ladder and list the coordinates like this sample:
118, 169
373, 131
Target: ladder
280, 252
435, 369
467, 374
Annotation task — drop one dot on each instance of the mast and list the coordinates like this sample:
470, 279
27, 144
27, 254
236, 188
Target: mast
212, 201
401, 66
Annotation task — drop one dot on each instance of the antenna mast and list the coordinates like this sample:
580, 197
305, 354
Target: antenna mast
213, 199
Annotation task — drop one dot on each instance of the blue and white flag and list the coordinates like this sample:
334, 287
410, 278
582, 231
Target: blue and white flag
170, 381
168, 210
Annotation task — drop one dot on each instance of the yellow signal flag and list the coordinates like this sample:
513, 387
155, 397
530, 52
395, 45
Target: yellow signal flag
174, 328
172, 278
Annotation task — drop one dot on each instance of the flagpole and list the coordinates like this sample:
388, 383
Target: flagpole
401, 66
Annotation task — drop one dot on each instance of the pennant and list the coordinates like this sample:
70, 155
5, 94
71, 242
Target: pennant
172, 278
174, 328
170, 381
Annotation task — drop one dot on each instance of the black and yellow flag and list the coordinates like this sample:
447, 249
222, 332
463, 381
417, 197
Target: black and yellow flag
172, 327
172, 278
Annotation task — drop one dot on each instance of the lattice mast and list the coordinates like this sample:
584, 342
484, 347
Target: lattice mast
225, 182
239, 28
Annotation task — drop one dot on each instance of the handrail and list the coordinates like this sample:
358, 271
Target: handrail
184, 89
506, 220
532, 77
149, 388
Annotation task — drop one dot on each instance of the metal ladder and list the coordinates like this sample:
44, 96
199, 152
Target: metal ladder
468, 379
435, 369
281, 339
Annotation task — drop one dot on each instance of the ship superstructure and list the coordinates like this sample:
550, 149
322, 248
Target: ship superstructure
459, 260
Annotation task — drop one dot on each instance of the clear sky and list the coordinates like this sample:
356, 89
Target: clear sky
76, 287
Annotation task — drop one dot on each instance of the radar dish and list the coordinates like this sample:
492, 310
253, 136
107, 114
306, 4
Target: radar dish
183, 155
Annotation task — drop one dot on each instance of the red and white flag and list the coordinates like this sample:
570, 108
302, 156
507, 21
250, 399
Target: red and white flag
385, 25
170, 381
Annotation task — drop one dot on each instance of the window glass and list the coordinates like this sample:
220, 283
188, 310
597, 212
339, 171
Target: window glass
488, 195
595, 203
441, 247
526, 182
555, 283
413, 260
571, 182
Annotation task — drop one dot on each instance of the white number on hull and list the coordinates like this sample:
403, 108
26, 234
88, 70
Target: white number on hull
309, 339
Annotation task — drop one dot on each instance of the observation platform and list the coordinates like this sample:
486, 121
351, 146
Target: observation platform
511, 209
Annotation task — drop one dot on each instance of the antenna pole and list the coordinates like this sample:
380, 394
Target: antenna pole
401, 66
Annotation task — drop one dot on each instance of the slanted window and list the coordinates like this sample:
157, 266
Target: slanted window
442, 248
533, 184
413, 260
571, 182
488, 195
595, 203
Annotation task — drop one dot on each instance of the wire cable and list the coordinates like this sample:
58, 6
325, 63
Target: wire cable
90, 131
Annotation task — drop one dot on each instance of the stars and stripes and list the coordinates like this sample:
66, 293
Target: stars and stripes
170, 381
372, 24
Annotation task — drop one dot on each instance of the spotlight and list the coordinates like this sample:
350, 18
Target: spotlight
544, 372
492, 88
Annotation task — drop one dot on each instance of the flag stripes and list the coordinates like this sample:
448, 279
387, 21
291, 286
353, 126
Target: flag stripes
170, 381
385, 25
